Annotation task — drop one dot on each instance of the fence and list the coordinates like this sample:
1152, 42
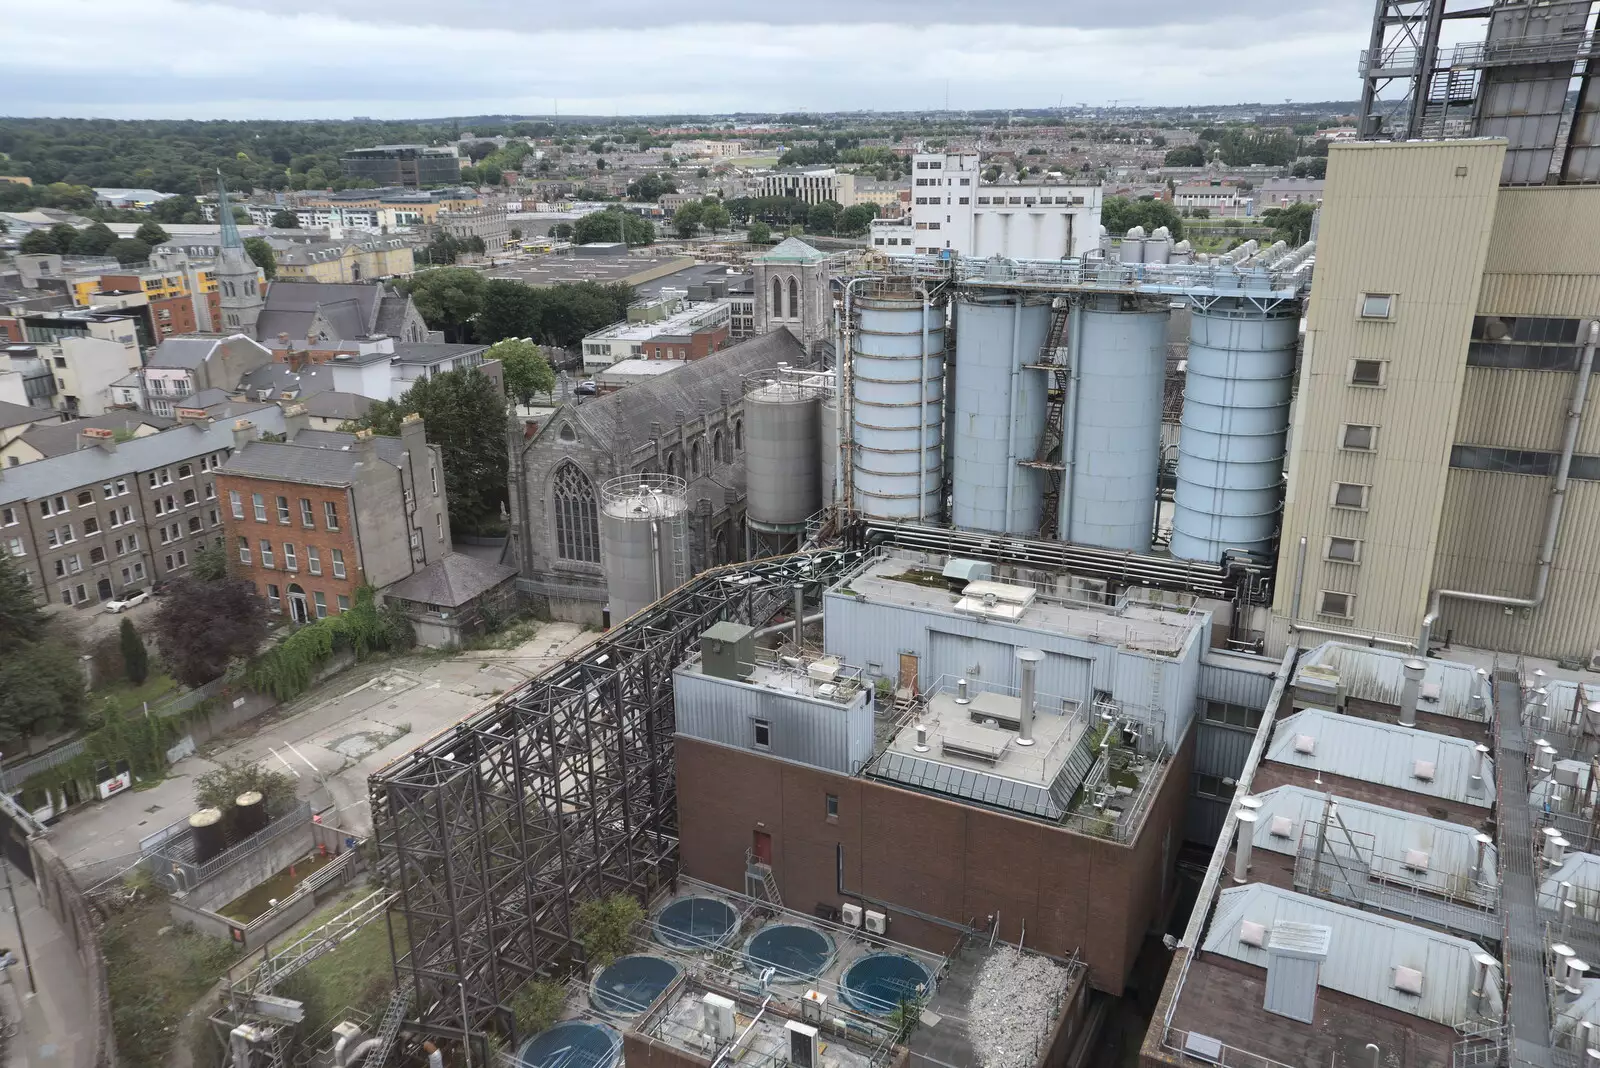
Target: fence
301, 902
171, 857
62, 898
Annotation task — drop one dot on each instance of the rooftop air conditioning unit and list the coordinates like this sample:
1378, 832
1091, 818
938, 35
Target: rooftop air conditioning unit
850, 915
813, 1005
802, 1044
1094, 591
717, 1018
1594, 660
877, 922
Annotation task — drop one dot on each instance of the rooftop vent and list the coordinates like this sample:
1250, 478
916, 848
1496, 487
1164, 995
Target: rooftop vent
1253, 934
1408, 980
1281, 827
1423, 769
1304, 743
1416, 860
1295, 952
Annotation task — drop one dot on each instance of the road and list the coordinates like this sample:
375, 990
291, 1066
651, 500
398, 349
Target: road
330, 740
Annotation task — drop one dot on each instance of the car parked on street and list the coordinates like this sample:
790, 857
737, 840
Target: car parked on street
128, 599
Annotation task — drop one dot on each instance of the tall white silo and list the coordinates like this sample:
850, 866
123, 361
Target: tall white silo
1235, 428
897, 402
999, 412
644, 547
783, 455
1109, 496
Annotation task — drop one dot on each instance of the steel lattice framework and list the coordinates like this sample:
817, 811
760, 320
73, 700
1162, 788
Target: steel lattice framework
563, 790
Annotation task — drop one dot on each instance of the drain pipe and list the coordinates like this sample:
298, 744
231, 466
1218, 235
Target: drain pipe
1558, 498
1011, 407
1299, 585
922, 413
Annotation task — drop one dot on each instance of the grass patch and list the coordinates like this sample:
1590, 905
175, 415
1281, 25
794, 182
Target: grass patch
358, 975
124, 696
155, 978
507, 637
259, 899
918, 577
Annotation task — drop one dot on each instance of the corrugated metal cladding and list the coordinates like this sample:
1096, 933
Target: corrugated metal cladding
1562, 296
810, 732
1204, 819
875, 635
1414, 221
1220, 750
1237, 680
1386, 754
1545, 230
1489, 542
1378, 675
1521, 410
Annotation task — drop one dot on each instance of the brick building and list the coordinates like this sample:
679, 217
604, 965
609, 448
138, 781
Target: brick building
311, 520
109, 517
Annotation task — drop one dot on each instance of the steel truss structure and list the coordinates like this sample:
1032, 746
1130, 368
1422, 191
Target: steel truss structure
562, 790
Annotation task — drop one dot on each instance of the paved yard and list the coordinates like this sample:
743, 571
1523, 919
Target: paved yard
330, 739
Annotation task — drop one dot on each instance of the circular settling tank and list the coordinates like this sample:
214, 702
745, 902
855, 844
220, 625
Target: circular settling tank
696, 923
630, 985
573, 1044
879, 982
796, 952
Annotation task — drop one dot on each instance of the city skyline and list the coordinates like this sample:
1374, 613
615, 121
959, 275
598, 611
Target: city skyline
234, 60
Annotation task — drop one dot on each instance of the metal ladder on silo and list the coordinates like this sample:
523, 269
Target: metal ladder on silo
1047, 457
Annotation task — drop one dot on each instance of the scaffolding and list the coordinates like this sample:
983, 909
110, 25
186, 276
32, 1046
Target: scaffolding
560, 791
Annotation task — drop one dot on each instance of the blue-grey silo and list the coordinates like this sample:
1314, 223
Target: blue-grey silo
897, 402
999, 412
643, 540
783, 453
1109, 490
829, 445
1235, 424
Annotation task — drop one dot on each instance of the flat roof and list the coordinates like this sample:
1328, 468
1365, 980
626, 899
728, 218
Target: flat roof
553, 269
691, 316
840, 686
642, 368
1135, 625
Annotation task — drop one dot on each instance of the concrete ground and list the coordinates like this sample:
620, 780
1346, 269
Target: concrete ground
52, 1026
330, 740
92, 622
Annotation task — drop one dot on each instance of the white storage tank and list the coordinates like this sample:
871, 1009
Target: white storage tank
1121, 349
999, 412
1132, 247
783, 453
1158, 246
1235, 425
897, 397
643, 540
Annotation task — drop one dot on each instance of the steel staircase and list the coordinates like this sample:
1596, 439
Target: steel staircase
1047, 457
761, 873
389, 1032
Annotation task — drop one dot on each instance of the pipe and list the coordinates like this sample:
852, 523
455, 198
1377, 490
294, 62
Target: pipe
361, 1051
1350, 635
655, 557
922, 415
788, 624
1241, 856
1069, 432
1411, 691
1299, 584
1552, 526
1011, 405
1028, 662
799, 609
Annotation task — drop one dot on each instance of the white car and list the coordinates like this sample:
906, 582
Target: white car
127, 601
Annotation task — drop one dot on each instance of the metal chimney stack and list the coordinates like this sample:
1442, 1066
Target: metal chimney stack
1477, 768
1480, 987
800, 614
1483, 853
1241, 855
1411, 692
1028, 661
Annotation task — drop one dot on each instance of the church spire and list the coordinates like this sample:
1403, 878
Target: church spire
230, 228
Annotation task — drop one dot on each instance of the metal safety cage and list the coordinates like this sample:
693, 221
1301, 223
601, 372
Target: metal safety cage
562, 790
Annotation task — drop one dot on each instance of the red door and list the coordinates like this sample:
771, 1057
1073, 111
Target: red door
762, 848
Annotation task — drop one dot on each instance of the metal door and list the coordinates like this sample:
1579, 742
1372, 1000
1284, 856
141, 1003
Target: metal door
987, 665
908, 673
761, 846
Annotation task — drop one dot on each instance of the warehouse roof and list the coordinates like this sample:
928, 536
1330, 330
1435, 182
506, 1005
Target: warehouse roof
1377, 675
1364, 950
1403, 758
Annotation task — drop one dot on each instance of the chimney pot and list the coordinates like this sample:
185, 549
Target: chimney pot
1241, 856
1028, 660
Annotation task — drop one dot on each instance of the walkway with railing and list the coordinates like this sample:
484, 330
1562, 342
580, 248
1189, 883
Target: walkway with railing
1526, 990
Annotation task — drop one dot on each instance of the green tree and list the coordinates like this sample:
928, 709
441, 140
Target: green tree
466, 417
604, 925
537, 1006
527, 372
201, 626
1291, 224
561, 231
823, 217
41, 685
715, 217
651, 187
150, 233
285, 220
1119, 215
1185, 156
611, 225
135, 658
448, 298
261, 255
92, 240
758, 233
211, 563
129, 250
856, 220
221, 788
516, 233
179, 209
508, 308
686, 220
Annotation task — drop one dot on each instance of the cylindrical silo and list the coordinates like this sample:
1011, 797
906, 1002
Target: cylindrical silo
206, 834
897, 397
999, 412
1158, 246
249, 814
643, 540
829, 448
783, 453
1121, 353
1132, 248
1235, 422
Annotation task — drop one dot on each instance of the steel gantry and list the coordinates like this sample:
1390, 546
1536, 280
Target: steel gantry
495, 830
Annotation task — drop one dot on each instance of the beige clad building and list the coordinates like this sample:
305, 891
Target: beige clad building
1446, 327
357, 260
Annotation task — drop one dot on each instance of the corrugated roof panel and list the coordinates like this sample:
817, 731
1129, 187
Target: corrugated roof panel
1378, 675
1363, 951
1384, 753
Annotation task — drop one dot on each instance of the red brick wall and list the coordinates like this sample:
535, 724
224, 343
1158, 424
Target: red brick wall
296, 533
11, 332
959, 863
180, 316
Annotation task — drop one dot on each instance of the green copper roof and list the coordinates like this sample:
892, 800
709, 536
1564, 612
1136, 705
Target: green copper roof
791, 250
230, 228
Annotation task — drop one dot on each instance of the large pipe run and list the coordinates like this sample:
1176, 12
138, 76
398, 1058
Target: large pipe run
1552, 526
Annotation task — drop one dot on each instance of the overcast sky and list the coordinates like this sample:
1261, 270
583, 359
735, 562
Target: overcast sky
401, 59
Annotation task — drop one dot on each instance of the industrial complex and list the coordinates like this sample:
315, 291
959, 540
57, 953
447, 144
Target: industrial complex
1024, 666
